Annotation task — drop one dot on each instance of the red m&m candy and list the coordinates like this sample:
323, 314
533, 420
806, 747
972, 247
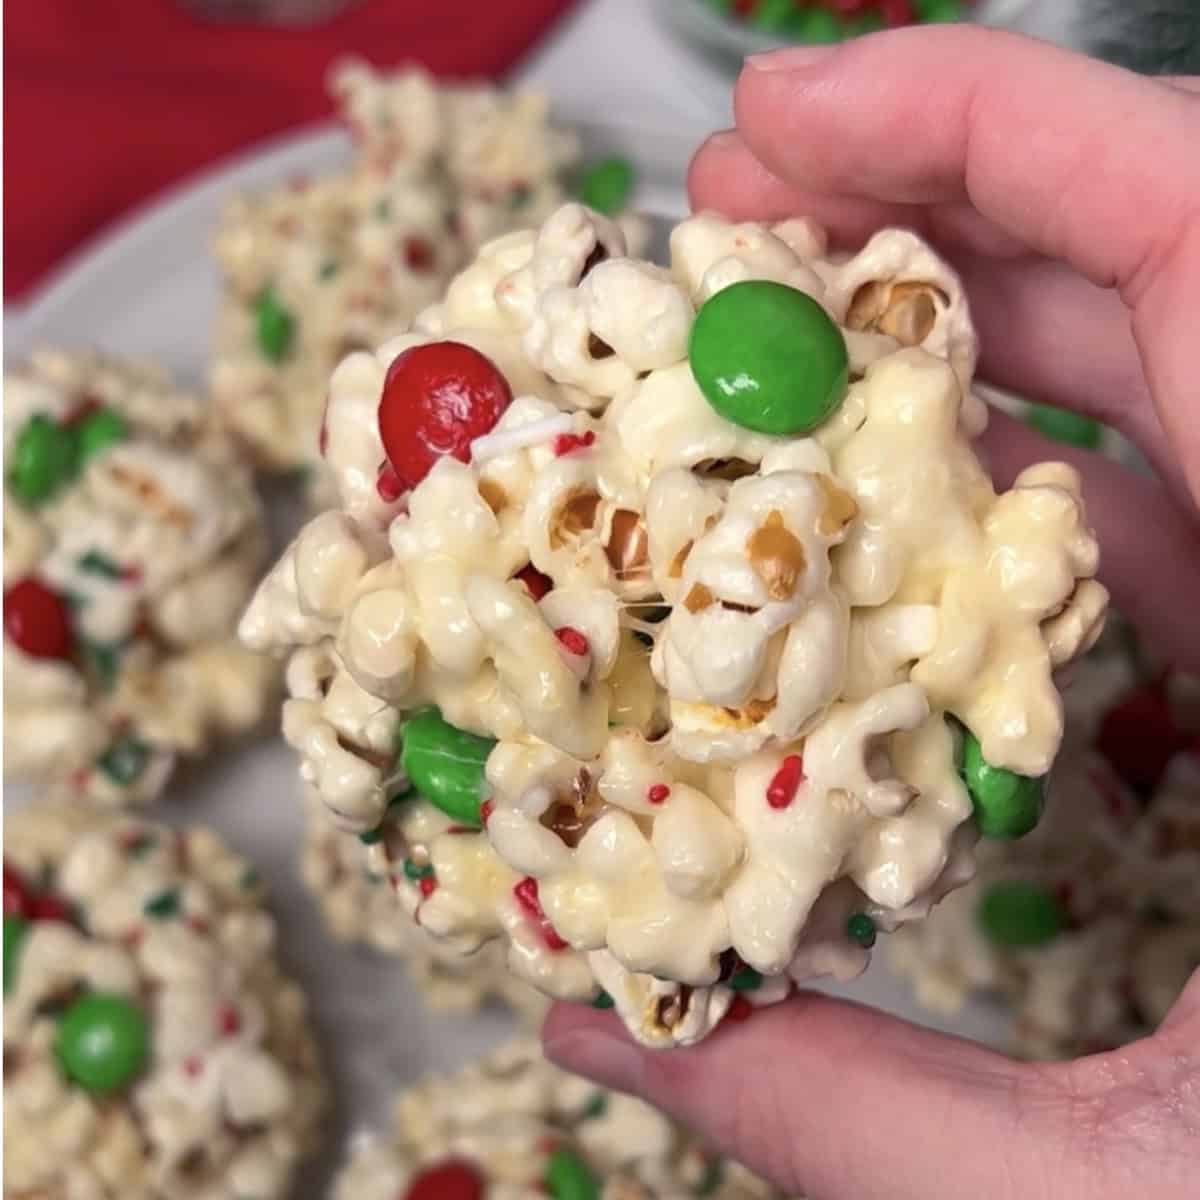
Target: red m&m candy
436, 400
447, 1180
36, 620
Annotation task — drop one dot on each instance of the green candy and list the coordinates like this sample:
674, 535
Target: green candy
1018, 915
861, 929
1063, 426
768, 358
774, 16
602, 1000
1007, 805
43, 458
100, 430
606, 185
867, 22
125, 760
102, 1042
15, 929
568, 1177
445, 765
939, 10
274, 325
816, 25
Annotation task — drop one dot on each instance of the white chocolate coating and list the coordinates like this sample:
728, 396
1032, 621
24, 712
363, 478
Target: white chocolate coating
353, 257
229, 1099
503, 1116
156, 545
724, 730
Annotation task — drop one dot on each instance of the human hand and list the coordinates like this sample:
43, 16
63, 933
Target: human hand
1067, 193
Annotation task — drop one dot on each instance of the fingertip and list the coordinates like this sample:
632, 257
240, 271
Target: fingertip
587, 1042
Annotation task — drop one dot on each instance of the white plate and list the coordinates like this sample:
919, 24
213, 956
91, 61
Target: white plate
150, 288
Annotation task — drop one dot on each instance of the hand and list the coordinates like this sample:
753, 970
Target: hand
1068, 195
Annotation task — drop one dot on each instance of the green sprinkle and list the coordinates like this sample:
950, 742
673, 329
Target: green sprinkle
124, 760
249, 879
104, 661
597, 1106
383, 210
1067, 427
95, 563
372, 836
861, 929
327, 269
274, 325
15, 930
520, 197
607, 184
162, 905
141, 845
413, 871
568, 1177
714, 1173
746, 980
602, 1000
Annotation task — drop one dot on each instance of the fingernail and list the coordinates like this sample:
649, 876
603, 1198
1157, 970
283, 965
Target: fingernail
794, 58
608, 1058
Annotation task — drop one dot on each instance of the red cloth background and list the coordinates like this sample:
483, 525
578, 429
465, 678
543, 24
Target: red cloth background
107, 101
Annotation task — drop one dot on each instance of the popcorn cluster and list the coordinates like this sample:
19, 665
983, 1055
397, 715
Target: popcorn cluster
132, 540
152, 1047
318, 268
512, 1127
711, 598
1089, 928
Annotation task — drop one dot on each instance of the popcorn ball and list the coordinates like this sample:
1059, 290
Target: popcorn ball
695, 647
1090, 928
132, 540
317, 268
152, 1047
358, 906
513, 1127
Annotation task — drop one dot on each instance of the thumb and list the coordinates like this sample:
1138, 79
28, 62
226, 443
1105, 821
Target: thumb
835, 1100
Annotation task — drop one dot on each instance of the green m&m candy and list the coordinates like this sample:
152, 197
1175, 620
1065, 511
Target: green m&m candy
1019, 915
817, 25
102, 1042
939, 10
606, 185
274, 326
445, 764
568, 1177
1064, 426
42, 458
768, 357
15, 929
99, 430
1007, 805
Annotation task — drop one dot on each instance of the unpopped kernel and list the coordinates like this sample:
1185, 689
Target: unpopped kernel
666, 698
513, 1127
132, 539
1088, 928
152, 1047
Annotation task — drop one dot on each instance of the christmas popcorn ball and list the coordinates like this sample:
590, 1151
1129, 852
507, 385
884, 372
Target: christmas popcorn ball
1089, 928
513, 1127
833, 20
315, 269
358, 905
132, 539
152, 1047
668, 628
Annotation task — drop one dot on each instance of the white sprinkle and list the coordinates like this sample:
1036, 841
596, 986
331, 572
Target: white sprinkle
492, 445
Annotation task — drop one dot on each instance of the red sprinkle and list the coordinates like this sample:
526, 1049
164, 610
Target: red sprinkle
197, 923
450, 1179
133, 938
781, 791
323, 436
51, 908
192, 1066
428, 886
18, 900
537, 583
526, 892
656, 793
418, 255
228, 1020
485, 812
387, 483
572, 640
566, 442
740, 1009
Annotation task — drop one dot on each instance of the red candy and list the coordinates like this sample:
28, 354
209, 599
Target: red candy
656, 793
228, 1021
566, 442
51, 908
485, 811
537, 583
1139, 737
448, 1180
437, 399
571, 640
897, 12
18, 899
781, 791
36, 620
526, 892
